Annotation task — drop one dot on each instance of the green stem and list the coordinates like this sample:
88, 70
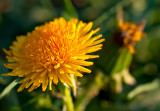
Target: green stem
123, 61
70, 8
68, 99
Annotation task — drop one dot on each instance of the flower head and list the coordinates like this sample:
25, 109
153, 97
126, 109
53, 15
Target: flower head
53, 51
128, 34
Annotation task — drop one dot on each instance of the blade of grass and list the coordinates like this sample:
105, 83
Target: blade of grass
9, 88
71, 11
109, 12
144, 88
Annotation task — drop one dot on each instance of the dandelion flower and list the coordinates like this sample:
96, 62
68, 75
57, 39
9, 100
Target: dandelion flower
128, 33
53, 51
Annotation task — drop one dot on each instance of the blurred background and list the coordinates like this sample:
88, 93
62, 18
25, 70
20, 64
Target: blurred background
17, 17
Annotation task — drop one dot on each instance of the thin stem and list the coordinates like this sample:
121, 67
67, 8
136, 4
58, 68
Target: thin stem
68, 99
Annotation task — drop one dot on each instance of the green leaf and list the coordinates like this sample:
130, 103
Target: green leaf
70, 10
144, 88
9, 88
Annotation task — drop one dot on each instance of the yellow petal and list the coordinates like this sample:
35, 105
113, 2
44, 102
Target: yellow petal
44, 83
50, 84
55, 79
81, 62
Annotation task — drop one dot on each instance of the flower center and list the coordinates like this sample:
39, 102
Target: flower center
50, 48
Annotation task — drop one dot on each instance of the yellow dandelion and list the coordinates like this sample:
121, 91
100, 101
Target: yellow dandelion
53, 51
128, 34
